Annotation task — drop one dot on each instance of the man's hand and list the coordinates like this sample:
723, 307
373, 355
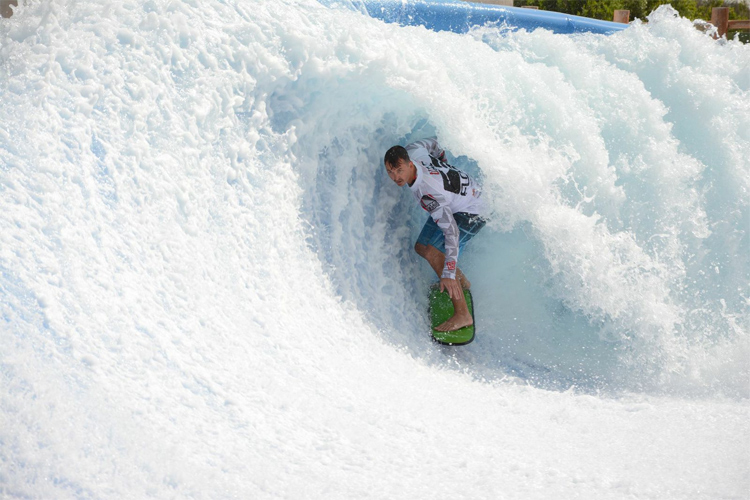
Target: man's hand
453, 287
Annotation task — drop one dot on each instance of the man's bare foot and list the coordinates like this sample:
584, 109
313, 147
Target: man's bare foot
454, 323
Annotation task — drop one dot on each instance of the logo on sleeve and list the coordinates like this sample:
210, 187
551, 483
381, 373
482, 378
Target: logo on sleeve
429, 203
451, 265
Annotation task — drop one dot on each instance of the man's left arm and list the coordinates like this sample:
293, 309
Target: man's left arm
447, 223
443, 217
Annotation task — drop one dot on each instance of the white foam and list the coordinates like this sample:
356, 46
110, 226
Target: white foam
207, 287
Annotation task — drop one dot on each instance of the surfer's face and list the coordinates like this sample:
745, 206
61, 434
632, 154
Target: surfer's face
403, 173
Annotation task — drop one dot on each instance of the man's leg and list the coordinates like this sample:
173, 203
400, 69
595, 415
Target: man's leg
461, 315
436, 258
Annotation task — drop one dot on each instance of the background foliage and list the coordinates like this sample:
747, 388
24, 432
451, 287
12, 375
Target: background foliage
604, 9
639, 9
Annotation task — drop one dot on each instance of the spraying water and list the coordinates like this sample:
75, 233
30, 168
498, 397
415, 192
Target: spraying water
208, 287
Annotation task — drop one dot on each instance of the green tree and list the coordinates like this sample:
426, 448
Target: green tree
601, 9
639, 9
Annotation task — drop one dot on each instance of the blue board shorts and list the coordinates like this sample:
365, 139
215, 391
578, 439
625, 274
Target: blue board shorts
468, 226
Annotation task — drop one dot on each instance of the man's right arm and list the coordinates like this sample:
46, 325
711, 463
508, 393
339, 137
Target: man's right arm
429, 146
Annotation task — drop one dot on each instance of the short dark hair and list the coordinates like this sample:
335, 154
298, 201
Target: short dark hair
393, 155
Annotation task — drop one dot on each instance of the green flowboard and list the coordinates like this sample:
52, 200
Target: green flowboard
441, 308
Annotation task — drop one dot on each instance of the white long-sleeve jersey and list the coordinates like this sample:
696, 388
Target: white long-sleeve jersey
443, 190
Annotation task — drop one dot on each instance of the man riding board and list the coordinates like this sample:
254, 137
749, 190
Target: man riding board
453, 200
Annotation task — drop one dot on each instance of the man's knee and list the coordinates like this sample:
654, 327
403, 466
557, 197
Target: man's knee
420, 249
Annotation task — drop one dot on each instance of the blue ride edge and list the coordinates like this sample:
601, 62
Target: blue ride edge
459, 16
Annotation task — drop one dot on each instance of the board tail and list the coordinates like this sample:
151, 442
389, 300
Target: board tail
441, 308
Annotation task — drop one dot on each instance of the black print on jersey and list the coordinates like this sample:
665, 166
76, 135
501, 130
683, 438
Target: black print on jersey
429, 203
454, 180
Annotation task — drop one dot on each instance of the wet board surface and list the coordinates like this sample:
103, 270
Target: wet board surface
441, 308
